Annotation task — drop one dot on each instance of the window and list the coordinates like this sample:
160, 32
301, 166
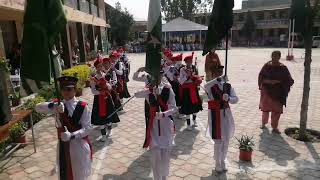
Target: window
260, 15
273, 15
271, 32
241, 17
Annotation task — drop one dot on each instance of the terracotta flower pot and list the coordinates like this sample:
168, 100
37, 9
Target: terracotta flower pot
245, 155
21, 139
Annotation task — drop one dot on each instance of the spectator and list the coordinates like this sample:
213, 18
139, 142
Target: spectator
274, 84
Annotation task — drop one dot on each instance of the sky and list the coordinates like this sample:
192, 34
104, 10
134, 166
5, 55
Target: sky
139, 8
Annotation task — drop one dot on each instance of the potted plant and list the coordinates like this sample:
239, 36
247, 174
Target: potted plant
246, 145
17, 133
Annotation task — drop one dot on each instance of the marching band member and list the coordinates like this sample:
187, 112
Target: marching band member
220, 120
172, 75
73, 126
191, 102
126, 69
111, 77
212, 60
119, 69
160, 128
103, 105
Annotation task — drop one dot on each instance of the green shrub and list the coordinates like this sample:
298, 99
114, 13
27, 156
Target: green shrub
82, 72
48, 92
17, 130
31, 104
4, 64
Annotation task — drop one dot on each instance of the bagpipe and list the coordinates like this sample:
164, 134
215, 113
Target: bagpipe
101, 85
193, 75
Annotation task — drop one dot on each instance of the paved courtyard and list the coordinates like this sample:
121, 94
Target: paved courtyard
122, 156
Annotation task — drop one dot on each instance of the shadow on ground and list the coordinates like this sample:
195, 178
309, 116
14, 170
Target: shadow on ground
276, 147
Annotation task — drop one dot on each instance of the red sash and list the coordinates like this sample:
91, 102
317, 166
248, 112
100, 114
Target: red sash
214, 107
104, 92
193, 92
152, 116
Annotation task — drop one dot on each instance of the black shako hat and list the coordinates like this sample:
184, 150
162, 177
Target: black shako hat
67, 81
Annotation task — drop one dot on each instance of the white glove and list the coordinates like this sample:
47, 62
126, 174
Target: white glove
59, 108
226, 97
159, 115
65, 136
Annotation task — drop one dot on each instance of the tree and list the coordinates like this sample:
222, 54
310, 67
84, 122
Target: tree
305, 15
184, 8
249, 28
121, 22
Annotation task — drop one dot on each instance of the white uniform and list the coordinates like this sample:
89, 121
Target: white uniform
113, 80
227, 124
169, 72
80, 152
184, 78
161, 142
120, 70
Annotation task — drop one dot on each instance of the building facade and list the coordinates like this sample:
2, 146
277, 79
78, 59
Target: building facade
84, 33
271, 19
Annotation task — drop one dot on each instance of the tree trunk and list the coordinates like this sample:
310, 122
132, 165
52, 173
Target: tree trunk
306, 83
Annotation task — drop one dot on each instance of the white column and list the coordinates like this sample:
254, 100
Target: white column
289, 37
293, 37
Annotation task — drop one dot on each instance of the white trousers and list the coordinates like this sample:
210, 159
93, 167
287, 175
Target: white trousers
220, 150
160, 162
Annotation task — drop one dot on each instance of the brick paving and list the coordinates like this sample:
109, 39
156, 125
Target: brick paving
122, 156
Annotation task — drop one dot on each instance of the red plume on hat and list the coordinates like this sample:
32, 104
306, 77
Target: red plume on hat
114, 54
168, 53
189, 57
177, 58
